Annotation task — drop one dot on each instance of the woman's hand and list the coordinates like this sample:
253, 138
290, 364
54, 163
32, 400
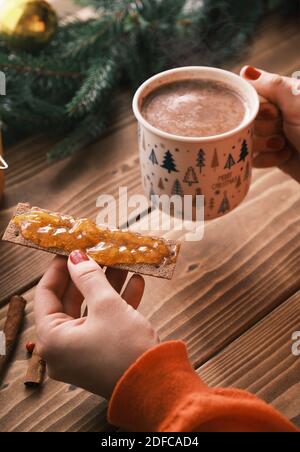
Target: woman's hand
277, 129
91, 352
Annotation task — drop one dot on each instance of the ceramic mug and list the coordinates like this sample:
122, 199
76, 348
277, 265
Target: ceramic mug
218, 167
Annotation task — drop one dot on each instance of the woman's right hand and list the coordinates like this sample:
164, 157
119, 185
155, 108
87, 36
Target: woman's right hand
277, 130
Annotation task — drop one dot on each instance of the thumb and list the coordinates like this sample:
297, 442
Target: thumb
89, 278
276, 88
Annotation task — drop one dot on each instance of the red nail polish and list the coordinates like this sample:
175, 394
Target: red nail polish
276, 143
78, 256
252, 74
30, 347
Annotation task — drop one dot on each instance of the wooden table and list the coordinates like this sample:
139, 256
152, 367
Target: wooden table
235, 299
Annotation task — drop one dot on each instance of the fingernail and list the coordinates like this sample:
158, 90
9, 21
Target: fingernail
275, 143
251, 73
78, 256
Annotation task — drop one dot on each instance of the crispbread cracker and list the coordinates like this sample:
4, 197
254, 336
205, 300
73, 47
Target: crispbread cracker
13, 235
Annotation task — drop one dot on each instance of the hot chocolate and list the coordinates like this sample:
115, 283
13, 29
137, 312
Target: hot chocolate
194, 108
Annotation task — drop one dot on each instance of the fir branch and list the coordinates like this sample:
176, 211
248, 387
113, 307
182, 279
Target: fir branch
111, 5
84, 134
100, 79
40, 71
22, 66
92, 33
67, 85
25, 119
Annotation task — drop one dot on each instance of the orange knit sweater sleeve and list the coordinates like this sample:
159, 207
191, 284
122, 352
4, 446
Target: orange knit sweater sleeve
161, 392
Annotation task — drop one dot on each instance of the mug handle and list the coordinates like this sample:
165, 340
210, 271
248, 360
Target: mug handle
3, 164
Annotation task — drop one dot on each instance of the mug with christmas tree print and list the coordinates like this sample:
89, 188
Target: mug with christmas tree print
196, 136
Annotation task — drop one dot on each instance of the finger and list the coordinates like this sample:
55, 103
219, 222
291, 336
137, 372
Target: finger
116, 278
274, 143
134, 291
268, 128
274, 87
51, 288
270, 159
89, 278
72, 301
268, 111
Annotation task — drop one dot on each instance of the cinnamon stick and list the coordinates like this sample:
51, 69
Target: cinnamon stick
12, 326
36, 371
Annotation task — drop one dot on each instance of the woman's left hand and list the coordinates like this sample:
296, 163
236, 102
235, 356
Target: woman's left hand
91, 352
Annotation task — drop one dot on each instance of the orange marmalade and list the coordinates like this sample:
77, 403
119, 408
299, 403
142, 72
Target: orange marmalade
106, 247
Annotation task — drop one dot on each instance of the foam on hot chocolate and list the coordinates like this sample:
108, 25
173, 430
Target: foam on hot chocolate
194, 108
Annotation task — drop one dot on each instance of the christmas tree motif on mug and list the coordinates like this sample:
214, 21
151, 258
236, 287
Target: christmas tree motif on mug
169, 163
201, 160
212, 203
230, 162
177, 189
152, 195
247, 172
153, 158
215, 161
144, 142
190, 177
244, 152
238, 182
225, 206
152, 192
161, 184
198, 192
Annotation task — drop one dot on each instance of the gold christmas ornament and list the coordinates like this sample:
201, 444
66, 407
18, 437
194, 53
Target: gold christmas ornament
27, 24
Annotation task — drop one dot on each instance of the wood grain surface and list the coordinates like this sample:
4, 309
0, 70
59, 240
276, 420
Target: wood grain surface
233, 301
261, 361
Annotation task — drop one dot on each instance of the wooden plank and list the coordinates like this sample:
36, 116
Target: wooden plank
74, 184
261, 361
203, 321
55, 406
28, 158
65, 8
286, 52
70, 185
274, 49
247, 264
